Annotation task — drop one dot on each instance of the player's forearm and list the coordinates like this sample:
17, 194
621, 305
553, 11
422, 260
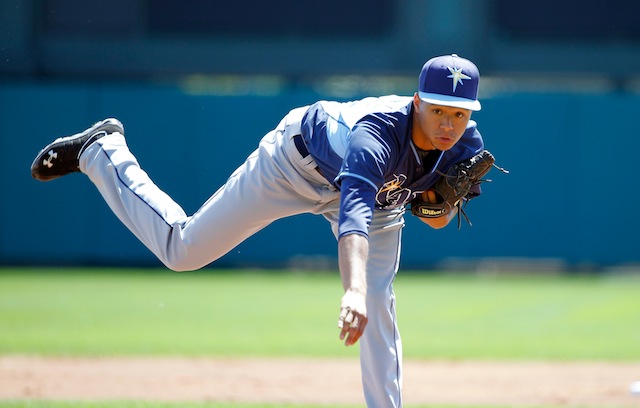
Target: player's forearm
353, 250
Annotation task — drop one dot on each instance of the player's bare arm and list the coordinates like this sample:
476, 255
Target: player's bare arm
353, 250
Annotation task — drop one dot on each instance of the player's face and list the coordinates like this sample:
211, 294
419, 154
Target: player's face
438, 126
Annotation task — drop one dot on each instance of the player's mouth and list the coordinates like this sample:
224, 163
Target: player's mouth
445, 140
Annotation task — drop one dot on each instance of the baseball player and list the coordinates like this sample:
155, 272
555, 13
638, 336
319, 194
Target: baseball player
358, 164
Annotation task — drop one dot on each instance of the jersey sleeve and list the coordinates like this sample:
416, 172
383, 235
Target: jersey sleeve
369, 154
357, 201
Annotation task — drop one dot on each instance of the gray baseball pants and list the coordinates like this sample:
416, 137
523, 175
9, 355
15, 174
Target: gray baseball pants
282, 183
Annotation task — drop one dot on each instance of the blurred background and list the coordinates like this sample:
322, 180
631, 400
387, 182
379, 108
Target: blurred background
198, 83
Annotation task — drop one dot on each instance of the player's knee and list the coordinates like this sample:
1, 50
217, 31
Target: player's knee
183, 264
180, 269
184, 257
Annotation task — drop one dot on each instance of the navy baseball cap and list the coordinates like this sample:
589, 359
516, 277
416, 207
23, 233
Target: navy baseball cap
450, 80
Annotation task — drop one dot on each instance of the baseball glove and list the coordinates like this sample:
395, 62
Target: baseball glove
454, 188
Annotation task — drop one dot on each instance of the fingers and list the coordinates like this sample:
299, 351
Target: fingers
430, 196
351, 326
353, 316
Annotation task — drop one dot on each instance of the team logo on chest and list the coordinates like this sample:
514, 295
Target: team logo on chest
393, 192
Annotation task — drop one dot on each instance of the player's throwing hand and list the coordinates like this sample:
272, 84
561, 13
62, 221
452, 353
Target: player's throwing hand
353, 317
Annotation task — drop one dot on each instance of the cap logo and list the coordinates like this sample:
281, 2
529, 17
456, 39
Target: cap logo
457, 76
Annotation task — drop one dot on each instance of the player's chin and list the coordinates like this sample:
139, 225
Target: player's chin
444, 143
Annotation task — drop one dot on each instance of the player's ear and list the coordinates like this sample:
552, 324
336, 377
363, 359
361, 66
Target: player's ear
416, 101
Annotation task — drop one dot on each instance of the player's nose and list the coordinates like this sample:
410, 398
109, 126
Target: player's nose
446, 123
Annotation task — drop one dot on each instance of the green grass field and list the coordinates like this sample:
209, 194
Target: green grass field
252, 313
104, 312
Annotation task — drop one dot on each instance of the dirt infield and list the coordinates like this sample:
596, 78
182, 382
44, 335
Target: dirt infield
313, 381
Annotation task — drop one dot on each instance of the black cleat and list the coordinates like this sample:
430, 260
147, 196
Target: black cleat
61, 156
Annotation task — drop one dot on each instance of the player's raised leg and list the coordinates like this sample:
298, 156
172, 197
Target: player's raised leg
259, 192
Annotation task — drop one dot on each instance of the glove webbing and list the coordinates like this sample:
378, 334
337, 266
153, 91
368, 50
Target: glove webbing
456, 186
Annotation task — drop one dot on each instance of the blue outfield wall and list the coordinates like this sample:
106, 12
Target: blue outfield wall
571, 194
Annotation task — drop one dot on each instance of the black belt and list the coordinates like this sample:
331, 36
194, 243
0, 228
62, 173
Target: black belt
300, 146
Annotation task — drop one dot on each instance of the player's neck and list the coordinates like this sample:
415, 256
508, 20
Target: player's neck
422, 142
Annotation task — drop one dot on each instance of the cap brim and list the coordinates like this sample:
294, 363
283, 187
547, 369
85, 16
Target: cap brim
447, 100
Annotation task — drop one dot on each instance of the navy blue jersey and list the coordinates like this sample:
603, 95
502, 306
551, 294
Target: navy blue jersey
365, 148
